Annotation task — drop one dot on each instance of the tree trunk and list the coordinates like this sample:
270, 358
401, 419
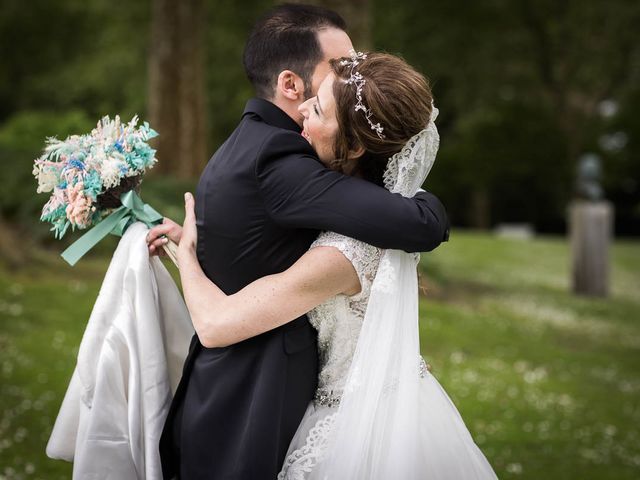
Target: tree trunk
479, 213
176, 86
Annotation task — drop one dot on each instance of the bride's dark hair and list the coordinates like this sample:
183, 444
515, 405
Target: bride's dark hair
398, 97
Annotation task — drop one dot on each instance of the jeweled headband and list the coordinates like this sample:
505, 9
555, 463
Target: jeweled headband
356, 78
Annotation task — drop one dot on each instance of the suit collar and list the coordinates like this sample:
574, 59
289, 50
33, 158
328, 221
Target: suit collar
270, 114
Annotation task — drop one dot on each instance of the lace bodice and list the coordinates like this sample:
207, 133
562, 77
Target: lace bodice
339, 319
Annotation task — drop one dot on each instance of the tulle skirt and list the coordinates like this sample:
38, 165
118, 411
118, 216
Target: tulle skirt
446, 450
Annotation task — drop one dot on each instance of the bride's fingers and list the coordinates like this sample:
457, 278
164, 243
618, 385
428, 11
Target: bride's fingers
158, 231
188, 208
158, 243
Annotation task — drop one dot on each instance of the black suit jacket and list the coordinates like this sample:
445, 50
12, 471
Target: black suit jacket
260, 202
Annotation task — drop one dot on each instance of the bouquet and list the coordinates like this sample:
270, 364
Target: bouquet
94, 180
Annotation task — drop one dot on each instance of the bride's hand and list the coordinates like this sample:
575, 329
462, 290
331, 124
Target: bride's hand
157, 236
189, 238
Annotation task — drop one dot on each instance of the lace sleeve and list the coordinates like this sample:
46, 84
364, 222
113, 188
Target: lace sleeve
364, 257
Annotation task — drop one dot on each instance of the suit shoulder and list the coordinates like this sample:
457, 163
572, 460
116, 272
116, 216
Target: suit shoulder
281, 143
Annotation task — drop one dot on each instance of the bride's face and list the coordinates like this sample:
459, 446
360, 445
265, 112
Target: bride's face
320, 124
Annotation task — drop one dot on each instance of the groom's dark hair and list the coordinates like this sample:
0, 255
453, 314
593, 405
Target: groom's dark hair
286, 38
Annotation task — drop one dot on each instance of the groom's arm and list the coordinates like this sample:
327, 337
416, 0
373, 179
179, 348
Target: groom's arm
299, 192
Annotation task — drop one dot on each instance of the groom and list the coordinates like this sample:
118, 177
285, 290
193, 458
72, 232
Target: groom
260, 202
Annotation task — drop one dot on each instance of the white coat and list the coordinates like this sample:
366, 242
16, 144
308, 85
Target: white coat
129, 364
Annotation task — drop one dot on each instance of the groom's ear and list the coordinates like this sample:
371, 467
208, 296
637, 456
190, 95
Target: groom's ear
290, 85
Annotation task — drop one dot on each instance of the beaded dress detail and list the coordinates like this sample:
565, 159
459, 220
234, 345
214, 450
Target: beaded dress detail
338, 321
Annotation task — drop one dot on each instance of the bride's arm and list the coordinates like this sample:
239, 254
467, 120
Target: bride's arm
267, 303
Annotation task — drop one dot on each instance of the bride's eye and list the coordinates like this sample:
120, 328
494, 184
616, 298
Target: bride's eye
315, 108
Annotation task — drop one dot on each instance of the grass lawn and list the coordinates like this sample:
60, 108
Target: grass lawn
548, 383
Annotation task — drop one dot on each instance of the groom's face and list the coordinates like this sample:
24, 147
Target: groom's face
335, 43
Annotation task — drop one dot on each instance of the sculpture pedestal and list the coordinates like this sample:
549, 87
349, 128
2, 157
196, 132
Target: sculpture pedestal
591, 227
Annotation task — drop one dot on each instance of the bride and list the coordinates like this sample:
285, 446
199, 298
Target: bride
378, 413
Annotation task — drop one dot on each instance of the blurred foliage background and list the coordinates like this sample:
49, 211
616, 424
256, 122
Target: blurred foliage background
547, 382
524, 88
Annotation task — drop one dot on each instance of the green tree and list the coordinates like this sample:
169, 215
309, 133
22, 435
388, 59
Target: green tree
556, 61
176, 86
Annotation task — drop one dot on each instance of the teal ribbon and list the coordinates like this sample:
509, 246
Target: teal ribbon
133, 209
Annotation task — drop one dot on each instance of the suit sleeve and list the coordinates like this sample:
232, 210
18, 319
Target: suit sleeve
299, 192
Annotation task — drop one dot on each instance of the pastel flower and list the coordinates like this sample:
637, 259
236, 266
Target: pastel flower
93, 185
56, 200
111, 172
79, 209
47, 180
47, 175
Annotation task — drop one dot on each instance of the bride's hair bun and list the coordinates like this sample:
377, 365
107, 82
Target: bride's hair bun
398, 97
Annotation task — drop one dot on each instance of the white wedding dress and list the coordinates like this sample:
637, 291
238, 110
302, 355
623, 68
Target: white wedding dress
378, 413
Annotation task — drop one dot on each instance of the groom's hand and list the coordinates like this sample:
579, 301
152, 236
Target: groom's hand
156, 236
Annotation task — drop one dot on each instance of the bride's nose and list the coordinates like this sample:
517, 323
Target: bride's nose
303, 108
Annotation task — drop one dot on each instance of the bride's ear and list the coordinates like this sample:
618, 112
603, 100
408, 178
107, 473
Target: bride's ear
290, 85
355, 153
